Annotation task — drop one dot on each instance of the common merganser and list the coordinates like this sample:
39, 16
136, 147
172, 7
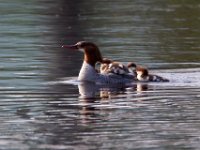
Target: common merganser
140, 73
92, 55
115, 67
144, 76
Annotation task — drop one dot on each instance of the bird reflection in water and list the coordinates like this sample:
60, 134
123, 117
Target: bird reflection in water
89, 91
87, 99
93, 97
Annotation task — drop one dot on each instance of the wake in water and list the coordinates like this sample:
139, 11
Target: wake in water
178, 77
182, 77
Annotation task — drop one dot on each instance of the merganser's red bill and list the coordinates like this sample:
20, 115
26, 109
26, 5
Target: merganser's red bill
70, 46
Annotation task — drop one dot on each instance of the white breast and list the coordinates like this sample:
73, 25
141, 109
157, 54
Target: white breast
87, 73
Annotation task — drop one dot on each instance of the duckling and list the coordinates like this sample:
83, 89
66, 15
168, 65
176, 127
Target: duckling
144, 76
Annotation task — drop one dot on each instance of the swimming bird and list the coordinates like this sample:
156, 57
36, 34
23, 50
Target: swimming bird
144, 76
141, 73
109, 66
92, 55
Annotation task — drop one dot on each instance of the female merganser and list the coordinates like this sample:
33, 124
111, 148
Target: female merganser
88, 72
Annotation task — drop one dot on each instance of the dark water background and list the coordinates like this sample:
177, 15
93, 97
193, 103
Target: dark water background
40, 110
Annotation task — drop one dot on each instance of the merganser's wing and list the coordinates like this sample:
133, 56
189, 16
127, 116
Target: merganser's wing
112, 78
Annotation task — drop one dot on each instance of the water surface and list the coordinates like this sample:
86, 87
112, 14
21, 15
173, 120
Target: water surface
42, 109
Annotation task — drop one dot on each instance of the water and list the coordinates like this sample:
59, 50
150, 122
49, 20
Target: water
40, 104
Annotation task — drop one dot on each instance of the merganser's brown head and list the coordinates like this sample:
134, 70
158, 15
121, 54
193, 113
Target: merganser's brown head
92, 54
142, 73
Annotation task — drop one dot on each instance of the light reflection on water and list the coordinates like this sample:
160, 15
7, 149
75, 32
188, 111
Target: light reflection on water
41, 110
